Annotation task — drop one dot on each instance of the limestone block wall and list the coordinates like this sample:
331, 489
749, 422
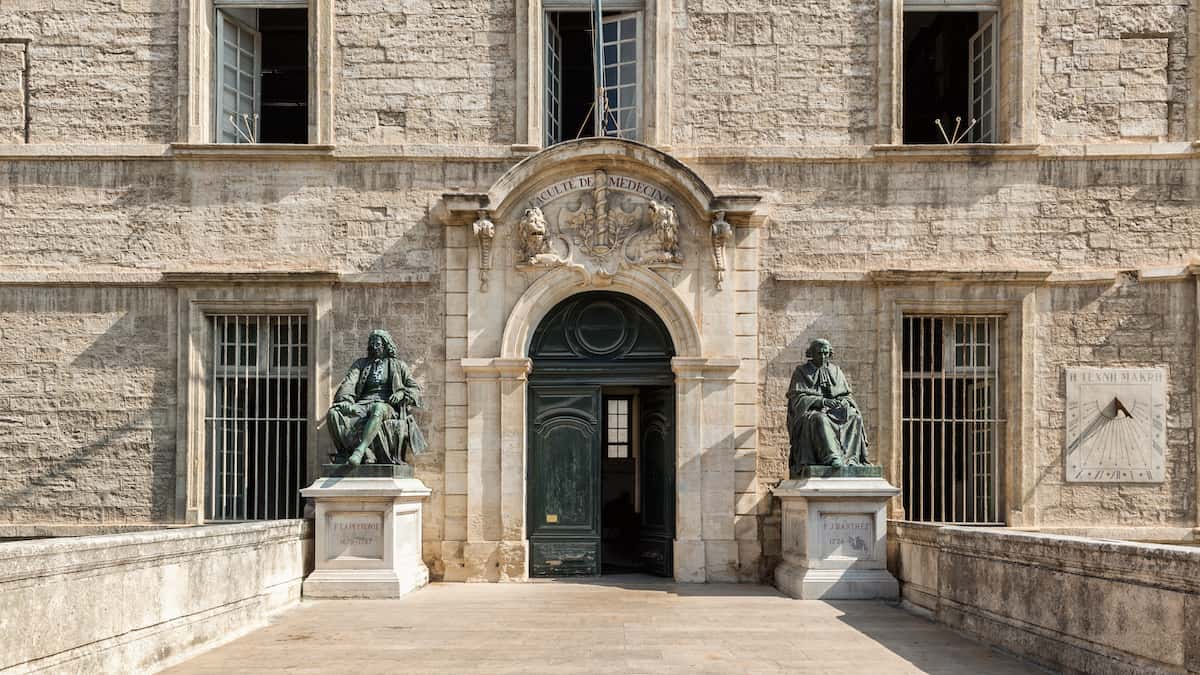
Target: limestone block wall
1071, 604
425, 72
758, 73
415, 317
768, 73
831, 224
1115, 70
1130, 323
87, 405
140, 602
12, 92
100, 72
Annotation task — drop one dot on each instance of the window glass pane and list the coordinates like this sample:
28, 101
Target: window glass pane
610, 54
629, 28
627, 98
628, 73
610, 32
628, 51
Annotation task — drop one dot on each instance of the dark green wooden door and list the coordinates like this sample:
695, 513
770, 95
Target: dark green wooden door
658, 480
564, 480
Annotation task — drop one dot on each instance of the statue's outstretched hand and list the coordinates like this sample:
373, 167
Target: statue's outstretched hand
343, 407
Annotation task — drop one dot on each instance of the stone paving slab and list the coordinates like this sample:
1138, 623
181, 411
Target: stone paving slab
614, 625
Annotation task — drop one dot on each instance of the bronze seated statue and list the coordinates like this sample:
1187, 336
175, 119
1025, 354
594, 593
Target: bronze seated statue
825, 427
370, 420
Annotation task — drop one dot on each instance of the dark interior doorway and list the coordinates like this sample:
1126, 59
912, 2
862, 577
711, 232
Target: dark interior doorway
601, 462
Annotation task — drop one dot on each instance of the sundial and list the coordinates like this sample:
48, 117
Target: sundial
1116, 425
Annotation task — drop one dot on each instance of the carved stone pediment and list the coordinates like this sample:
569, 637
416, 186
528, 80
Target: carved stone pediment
600, 222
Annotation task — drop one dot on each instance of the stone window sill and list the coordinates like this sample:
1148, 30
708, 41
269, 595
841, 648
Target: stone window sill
945, 151
274, 151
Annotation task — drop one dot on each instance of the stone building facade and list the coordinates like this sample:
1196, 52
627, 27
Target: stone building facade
125, 229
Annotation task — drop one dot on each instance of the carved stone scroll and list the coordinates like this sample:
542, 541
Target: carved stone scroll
722, 232
485, 232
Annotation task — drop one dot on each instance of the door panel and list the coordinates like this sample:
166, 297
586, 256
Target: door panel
658, 480
564, 480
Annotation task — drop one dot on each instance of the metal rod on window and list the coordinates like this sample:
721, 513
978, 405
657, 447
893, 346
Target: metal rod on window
243, 507
993, 343
921, 428
291, 389
231, 477
907, 411
268, 449
598, 63
214, 442
258, 407
969, 478
948, 363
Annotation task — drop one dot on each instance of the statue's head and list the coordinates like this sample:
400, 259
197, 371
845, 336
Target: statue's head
819, 351
380, 345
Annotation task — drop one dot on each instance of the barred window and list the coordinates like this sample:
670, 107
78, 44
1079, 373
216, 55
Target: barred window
256, 421
952, 419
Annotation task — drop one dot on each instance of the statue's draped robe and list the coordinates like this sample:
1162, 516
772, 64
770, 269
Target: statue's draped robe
818, 435
388, 381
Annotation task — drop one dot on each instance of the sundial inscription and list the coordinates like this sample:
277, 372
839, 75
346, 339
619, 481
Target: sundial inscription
1116, 425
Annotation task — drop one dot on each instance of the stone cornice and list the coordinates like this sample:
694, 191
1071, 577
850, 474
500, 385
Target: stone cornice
492, 368
206, 278
138, 278
699, 155
932, 276
706, 368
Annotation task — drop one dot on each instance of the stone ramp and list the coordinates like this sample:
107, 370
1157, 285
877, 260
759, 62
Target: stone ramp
618, 624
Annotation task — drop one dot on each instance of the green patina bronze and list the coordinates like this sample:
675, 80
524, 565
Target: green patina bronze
818, 471
824, 425
371, 420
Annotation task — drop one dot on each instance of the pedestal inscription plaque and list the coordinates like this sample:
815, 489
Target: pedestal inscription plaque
847, 535
355, 535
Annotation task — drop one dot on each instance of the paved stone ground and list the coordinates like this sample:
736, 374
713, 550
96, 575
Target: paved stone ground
616, 625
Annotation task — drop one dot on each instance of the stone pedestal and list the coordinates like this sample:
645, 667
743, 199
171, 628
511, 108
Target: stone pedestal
368, 538
834, 535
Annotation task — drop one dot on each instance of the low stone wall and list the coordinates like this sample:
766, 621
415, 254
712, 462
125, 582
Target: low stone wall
139, 601
1072, 604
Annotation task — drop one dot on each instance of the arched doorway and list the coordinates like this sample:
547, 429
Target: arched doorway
601, 439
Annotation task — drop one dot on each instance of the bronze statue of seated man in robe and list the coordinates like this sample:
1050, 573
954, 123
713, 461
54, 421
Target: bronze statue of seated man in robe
824, 424
370, 419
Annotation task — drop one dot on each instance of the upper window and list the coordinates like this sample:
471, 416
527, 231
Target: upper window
589, 96
261, 73
949, 59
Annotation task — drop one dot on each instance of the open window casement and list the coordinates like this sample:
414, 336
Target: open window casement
622, 63
983, 82
553, 81
572, 98
239, 79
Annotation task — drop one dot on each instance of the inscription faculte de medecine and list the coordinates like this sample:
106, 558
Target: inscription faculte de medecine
588, 181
